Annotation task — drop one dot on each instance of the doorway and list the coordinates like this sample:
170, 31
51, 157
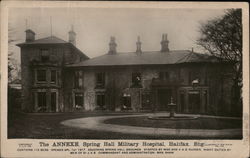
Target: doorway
194, 101
41, 101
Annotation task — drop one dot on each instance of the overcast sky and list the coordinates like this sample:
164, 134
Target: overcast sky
94, 26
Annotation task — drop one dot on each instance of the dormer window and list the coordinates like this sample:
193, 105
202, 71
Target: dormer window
44, 54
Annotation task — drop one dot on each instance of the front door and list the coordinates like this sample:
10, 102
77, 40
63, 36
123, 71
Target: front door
164, 98
194, 101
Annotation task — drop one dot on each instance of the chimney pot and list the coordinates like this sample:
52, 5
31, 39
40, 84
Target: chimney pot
112, 46
30, 35
138, 45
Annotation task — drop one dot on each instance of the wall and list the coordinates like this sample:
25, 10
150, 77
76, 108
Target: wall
31, 60
118, 81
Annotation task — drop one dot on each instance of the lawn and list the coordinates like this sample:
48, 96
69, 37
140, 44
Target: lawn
199, 123
47, 126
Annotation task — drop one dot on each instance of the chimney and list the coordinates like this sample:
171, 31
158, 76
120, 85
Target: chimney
138, 45
112, 46
164, 43
72, 36
30, 35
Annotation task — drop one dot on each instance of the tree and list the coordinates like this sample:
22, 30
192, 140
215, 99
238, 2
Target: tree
222, 37
13, 65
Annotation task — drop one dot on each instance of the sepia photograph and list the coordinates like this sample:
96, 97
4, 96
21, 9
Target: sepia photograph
125, 73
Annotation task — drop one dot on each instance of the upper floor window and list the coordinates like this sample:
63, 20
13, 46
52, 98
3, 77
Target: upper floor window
44, 54
41, 75
136, 80
194, 78
53, 76
100, 80
78, 79
164, 75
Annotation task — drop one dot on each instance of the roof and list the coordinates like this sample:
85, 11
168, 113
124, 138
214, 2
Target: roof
47, 40
53, 40
146, 58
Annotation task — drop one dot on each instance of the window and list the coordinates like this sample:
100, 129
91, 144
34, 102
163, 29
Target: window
41, 75
100, 100
44, 54
100, 80
53, 76
136, 80
78, 79
163, 75
53, 101
193, 78
78, 100
126, 99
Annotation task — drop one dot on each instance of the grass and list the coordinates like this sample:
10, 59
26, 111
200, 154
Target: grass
199, 123
47, 126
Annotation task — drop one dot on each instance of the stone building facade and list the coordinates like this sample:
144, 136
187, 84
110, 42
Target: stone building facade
42, 69
131, 81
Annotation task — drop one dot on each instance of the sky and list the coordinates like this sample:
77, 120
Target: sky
94, 26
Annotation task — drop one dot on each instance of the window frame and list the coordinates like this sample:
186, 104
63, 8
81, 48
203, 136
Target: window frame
78, 76
100, 84
103, 99
44, 56
164, 75
193, 75
137, 84
37, 74
55, 76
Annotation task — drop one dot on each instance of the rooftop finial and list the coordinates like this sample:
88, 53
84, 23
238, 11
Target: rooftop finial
50, 26
26, 24
72, 35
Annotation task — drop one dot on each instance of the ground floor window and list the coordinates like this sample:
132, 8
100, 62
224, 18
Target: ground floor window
126, 102
182, 102
53, 101
41, 101
79, 100
100, 100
